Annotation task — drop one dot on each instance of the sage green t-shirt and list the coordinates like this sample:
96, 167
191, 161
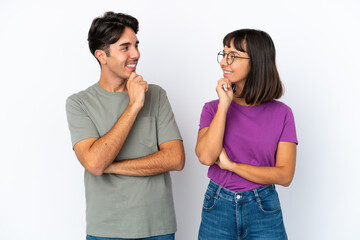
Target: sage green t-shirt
121, 206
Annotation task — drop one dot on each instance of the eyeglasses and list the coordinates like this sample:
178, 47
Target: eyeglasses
230, 57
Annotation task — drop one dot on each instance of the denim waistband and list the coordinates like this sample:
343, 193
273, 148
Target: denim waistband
240, 196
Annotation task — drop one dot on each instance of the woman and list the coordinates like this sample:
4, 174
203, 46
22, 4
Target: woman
249, 141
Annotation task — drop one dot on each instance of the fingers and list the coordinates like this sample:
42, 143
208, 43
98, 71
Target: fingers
224, 92
132, 76
224, 84
136, 87
218, 162
135, 79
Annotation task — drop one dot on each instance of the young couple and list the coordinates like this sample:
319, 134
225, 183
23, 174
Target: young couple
124, 133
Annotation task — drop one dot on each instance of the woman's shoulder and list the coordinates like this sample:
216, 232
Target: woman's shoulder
278, 105
213, 104
279, 108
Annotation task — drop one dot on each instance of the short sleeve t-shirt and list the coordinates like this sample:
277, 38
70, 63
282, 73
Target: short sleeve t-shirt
119, 206
251, 136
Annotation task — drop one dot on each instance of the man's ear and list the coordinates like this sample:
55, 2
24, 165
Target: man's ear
101, 56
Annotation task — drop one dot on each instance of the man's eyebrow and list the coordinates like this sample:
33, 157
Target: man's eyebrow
127, 44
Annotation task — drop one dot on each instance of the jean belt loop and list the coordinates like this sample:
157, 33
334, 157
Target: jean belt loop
218, 192
256, 195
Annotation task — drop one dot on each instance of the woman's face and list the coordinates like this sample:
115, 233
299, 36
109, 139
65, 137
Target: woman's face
238, 71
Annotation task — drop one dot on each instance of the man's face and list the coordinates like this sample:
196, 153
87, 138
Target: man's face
124, 55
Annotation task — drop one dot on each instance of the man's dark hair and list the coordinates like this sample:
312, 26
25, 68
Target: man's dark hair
107, 29
263, 81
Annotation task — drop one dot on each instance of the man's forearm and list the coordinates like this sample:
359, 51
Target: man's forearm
171, 158
103, 151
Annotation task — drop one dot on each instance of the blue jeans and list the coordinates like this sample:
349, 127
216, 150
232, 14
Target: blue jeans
254, 214
162, 237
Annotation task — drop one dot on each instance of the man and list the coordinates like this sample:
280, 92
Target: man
124, 133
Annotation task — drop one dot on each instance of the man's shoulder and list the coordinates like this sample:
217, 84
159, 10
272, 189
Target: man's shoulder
155, 91
156, 88
83, 94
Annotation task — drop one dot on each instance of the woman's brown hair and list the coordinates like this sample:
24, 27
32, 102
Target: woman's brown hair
263, 82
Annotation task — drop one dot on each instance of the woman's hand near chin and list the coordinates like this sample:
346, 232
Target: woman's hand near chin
224, 92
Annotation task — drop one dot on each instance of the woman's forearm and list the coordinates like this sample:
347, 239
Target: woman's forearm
282, 173
263, 175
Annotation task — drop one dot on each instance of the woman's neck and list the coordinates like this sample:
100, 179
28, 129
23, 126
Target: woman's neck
242, 102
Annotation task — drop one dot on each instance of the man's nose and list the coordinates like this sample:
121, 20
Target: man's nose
135, 54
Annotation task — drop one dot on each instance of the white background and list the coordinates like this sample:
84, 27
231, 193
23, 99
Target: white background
45, 58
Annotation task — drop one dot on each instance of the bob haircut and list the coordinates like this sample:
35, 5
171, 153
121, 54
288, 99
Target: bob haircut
106, 30
263, 82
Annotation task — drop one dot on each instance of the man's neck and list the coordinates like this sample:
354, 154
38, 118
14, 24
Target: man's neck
111, 83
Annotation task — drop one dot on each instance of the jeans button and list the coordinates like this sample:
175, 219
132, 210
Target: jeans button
238, 196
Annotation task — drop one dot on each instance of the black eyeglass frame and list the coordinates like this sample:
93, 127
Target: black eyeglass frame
233, 56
